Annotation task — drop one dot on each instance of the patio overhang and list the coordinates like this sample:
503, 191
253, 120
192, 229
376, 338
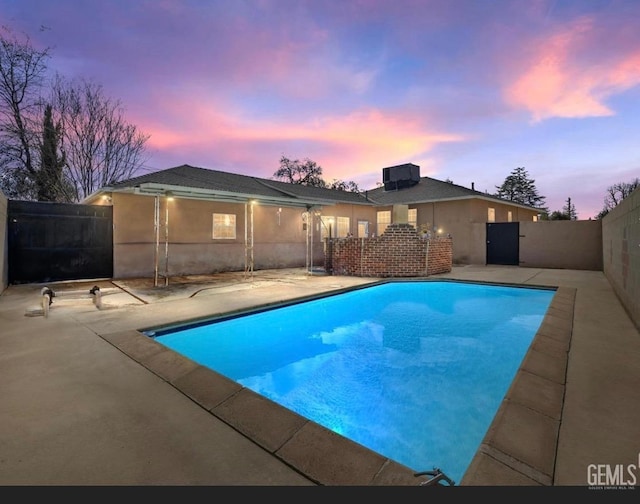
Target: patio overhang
156, 189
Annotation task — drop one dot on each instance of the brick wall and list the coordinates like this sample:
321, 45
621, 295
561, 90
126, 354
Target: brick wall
398, 252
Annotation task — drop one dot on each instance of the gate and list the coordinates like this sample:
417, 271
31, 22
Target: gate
58, 241
503, 243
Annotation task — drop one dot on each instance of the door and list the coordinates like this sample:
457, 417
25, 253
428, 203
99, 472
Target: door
503, 243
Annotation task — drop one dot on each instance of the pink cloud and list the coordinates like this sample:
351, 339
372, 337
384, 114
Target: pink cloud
346, 146
563, 81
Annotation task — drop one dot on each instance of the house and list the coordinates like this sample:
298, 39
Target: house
188, 220
444, 208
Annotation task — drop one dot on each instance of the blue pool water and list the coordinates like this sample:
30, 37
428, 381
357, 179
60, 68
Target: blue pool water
414, 370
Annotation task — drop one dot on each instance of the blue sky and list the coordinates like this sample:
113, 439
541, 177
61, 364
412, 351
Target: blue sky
468, 90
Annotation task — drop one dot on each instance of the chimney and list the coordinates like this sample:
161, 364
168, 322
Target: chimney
473, 188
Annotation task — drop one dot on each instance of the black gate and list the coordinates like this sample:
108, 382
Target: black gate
503, 243
59, 241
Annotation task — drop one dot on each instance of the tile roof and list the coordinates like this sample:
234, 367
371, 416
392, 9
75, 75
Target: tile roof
199, 178
426, 190
214, 181
191, 177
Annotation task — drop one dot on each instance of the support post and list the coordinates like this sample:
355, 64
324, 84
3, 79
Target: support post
156, 232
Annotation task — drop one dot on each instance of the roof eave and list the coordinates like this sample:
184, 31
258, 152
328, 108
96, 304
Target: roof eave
457, 198
156, 189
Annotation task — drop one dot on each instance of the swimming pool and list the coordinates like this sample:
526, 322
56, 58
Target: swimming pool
414, 370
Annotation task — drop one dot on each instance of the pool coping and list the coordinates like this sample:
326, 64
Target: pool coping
519, 447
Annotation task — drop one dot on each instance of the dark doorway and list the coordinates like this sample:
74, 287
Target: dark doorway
59, 241
503, 243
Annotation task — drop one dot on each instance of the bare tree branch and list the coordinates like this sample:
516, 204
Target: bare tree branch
100, 146
22, 73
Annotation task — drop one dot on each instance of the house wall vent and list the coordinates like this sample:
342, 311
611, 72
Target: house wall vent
400, 177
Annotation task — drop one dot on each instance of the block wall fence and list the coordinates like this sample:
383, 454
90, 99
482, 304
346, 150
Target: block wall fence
621, 252
399, 252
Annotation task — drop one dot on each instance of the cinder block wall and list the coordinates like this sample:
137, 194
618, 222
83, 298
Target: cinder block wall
561, 244
4, 248
398, 252
621, 252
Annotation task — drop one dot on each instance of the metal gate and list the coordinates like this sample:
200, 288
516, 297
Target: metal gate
503, 243
58, 241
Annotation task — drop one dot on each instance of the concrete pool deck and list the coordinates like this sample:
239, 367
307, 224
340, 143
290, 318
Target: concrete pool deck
88, 400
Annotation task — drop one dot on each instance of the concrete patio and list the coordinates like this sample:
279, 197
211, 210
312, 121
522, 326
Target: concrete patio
89, 400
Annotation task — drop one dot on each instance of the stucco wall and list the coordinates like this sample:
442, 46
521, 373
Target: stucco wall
4, 251
279, 237
561, 244
545, 244
621, 252
465, 220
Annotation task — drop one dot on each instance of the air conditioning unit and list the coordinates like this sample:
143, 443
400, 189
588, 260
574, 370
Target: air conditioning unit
401, 176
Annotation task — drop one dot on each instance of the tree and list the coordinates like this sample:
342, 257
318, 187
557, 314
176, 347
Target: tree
616, 193
309, 173
558, 215
341, 185
519, 188
84, 142
22, 74
51, 182
568, 212
99, 145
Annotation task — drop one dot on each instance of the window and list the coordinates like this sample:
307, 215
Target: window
327, 227
509, 216
224, 226
343, 227
491, 215
384, 219
535, 218
413, 217
363, 229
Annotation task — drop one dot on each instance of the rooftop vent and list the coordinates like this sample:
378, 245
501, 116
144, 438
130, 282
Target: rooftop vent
400, 176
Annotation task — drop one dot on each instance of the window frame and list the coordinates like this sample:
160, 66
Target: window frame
230, 226
343, 227
413, 217
382, 222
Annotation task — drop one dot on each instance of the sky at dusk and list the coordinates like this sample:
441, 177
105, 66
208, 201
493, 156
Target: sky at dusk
468, 90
